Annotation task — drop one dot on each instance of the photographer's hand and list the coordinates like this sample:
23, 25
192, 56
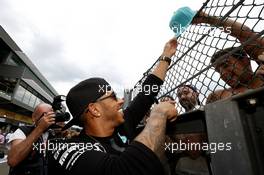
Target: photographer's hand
46, 121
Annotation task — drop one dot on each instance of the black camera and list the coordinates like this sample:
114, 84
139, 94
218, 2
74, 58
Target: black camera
60, 110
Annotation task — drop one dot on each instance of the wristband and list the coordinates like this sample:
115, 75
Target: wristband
164, 58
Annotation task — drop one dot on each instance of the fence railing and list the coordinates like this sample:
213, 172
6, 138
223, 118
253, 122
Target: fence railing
234, 24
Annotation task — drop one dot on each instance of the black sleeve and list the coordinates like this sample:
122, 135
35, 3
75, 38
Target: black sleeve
136, 159
140, 105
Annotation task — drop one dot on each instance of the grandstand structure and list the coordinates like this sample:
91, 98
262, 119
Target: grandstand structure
22, 86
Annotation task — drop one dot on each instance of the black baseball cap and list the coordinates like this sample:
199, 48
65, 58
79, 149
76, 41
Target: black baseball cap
84, 93
190, 86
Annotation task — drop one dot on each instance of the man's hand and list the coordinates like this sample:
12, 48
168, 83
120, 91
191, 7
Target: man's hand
168, 51
261, 57
47, 120
153, 135
260, 70
166, 108
170, 48
202, 17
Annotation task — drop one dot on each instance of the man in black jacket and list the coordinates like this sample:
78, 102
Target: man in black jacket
107, 144
26, 155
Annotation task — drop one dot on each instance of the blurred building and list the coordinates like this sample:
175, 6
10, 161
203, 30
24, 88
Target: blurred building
22, 86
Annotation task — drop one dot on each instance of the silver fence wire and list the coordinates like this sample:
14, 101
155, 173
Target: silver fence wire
204, 59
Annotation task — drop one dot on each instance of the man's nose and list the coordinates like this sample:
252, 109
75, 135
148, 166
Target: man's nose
121, 101
183, 96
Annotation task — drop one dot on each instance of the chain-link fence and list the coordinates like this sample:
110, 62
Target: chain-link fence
234, 24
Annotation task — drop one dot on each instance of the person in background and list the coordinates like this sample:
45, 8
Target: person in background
188, 97
23, 158
2, 137
8, 136
235, 69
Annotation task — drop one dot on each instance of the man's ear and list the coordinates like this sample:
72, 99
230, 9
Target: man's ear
93, 109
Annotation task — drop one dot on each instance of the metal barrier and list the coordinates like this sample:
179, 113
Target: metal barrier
193, 65
219, 59
241, 124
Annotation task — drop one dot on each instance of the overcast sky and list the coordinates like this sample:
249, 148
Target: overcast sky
70, 41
